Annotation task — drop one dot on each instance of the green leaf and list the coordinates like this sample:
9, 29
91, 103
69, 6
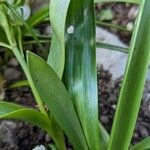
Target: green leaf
55, 58
143, 145
38, 17
112, 47
133, 84
13, 111
104, 137
19, 84
80, 74
58, 20
127, 1
57, 99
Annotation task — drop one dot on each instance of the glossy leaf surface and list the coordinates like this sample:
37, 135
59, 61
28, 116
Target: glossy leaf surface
80, 75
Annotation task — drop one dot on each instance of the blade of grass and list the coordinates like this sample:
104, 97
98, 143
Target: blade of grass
110, 25
80, 67
143, 145
19, 84
57, 99
133, 84
112, 47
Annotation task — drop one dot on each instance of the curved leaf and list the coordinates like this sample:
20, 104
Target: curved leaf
13, 111
143, 145
80, 74
58, 19
133, 84
57, 99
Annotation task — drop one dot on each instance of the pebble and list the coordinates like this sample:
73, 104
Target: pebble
133, 12
13, 62
143, 131
12, 74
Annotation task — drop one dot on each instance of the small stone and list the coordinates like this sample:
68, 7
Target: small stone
114, 107
40, 147
143, 132
133, 12
104, 119
13, 62
12, 74
130, 26
47, 138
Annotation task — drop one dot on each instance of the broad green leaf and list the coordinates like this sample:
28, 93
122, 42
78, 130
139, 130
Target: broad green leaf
143, 145
126, 1
57, 99
133, 84
80, 75
58, 20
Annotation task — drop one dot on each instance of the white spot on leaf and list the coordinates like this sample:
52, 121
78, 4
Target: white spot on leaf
70, 30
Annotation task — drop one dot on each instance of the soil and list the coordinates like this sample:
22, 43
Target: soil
16, 135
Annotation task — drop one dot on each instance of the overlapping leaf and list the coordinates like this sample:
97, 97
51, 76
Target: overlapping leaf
58, 101
58, 13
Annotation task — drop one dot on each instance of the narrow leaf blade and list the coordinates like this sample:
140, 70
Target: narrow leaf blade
133, 84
